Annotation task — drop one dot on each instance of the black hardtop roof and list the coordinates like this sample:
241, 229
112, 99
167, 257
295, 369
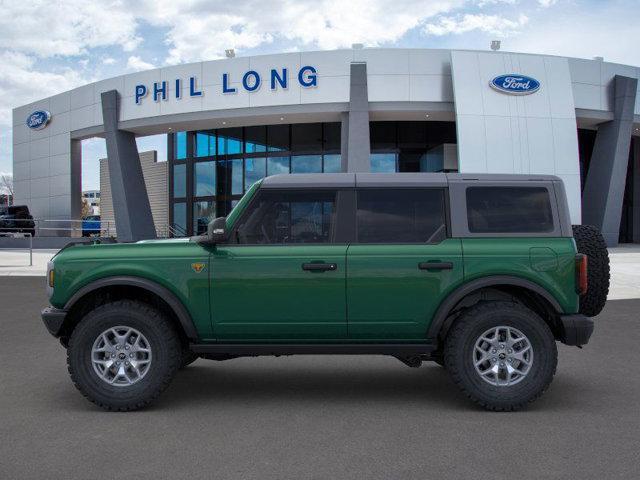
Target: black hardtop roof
418, 179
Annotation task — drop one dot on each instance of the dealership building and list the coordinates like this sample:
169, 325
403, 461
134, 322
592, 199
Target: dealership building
231, 122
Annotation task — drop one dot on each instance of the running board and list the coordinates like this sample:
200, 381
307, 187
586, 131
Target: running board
260, 349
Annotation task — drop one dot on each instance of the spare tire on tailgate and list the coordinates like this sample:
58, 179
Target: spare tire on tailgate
590, 242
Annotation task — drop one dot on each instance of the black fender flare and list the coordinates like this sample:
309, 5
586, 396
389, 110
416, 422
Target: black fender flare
462, 291
153, 287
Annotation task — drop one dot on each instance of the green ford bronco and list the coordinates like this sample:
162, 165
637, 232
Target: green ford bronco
479, 273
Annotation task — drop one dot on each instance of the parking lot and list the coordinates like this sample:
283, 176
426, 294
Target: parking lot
316, 417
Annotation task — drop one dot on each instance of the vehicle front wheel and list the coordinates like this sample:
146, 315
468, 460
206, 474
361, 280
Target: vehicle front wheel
501, 354
123, 354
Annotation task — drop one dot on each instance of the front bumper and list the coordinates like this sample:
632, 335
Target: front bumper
53, 319
576, 329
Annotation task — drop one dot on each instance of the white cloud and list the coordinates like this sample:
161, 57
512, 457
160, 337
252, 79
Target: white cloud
136, 63
491, 24
20, 83
46, 28
325, 24
108, 61
547, 3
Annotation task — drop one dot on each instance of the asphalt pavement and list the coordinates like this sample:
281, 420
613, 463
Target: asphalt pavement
338, 417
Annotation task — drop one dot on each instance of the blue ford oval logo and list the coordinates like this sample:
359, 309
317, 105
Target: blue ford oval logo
38, 119
515, 84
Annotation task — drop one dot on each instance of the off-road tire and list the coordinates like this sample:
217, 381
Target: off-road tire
460, 343
590, 241
165, 346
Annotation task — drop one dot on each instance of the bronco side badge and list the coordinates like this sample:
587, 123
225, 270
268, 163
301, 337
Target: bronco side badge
198, 267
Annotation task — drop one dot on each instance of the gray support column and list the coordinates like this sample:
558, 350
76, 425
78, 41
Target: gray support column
344, 141
76, 185
604, 187
636, 190
358, 147
129, 194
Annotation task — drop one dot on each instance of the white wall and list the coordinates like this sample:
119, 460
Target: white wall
529, 134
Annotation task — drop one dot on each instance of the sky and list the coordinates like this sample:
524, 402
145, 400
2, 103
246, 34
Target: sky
48, 47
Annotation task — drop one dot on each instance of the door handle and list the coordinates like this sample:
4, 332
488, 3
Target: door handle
319, 267
435, 265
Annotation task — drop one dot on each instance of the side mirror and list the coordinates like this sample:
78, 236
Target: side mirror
217, 230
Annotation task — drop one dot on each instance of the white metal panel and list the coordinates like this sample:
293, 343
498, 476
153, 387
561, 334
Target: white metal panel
60, 206
39, 148
21, 152
115, 83
430, 88
81, 97
60, 103
60, 123
388, 88
540, 144
587, 96
329, 64
329, 90
59, 144
39, 167
472, 145
20, 133
585, 71
467, 84
429, 62
83, 117
212, 71
147, 78
222, 101
384, 61
130, 110
39, 188
60, 185
59, 164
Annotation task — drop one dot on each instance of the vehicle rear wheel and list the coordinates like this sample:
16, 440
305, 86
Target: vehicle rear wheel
590, 242
122, 355
501, 354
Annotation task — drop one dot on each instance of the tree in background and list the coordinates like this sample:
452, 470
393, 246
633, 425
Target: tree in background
86, 208
6, 187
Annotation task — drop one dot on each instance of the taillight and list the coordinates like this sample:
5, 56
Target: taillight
582, 283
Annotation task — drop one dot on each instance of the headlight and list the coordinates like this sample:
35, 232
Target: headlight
50, 278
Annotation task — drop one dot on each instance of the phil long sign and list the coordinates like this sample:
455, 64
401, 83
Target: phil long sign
250, 81
515, 84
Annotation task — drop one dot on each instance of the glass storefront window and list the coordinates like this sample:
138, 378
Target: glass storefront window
332, 164
204, 179
277, 165
255, 139
306, 136
331, 140
180, 180
234, 173
254, 170
306, 164
278, 137
180, 218
205, 144
203, 213
180, 146
383, 162
229, 141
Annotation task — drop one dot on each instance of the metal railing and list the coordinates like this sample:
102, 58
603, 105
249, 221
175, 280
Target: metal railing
23, 235
40, 227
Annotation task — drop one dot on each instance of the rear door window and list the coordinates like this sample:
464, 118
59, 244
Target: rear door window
509, 210
401, 215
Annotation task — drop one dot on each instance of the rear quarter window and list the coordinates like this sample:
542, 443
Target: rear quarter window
509, 210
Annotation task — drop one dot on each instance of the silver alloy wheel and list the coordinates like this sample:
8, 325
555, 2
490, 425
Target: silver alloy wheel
503, 356
121, 356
